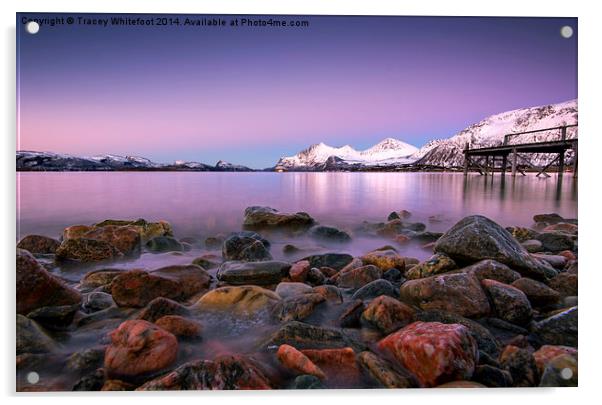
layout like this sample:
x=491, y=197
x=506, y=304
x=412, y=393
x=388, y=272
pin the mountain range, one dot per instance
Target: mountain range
x=49, y=161
x=389, y=154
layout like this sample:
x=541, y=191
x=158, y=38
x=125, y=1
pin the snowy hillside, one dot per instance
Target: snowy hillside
x=491, y=131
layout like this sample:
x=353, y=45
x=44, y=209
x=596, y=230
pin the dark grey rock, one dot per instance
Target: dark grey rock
x=257, y=273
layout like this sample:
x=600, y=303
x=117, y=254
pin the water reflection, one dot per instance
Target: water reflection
x=206, y=203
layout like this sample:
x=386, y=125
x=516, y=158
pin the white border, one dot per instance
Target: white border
x=590, y=108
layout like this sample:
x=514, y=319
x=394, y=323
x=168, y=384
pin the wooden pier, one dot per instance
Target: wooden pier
x=483, y=160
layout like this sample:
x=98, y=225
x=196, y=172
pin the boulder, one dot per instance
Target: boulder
x=296, y=308
x=532, y=245
x=307, y=382
x=38, y=244
x=562, y=371
x=297, y=362
x=329, y=234
x=287, y=289
x=509, y=303
x=403, y=214
x=384, y=372
x=86, y=250
x=99, y=278
x=31, y=338
x=160, y=307
x=147, y=230
x=226, y=372
x=36, y=287
x=458, y=293
x=330, y=292
x=559, y=329
x=436, y=264
x=298, y=271
x=333, y=260
x=539, y=294
x=490, y=269
x=522, y=234
x=546, y=353
x=97, y=301
x=137, y=288
x=556, y=261
x=266, y=217
x=387, y=314
x=548, y=218
x=356, y=278
x=562, y=227
x=434, y=352
x=237, y=299
x=208, y=261
x=305, y=336
x=179, y=326
x=521, y=365
x=352, y=312
x=54, y=317
x=384, y=259
x=86, y=360
x=126, y=239
x=256, y=273
x=375, y=289
x=160, y=244
x=476, y=238
x=486, y=341
x=337, y=364
x=139, y=348
x=565, y=283
x=556, y=241
x=246, y=246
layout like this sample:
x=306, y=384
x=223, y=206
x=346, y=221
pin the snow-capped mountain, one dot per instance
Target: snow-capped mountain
x=320, y=156
x=124, y=161
x=491, y=132
x=49, y=161
x=227, y=166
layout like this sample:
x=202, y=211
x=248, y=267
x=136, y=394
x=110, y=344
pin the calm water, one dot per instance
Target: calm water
x=204, y=204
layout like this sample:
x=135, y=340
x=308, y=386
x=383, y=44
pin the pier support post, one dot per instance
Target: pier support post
x=575, y=159
x=487, y=165
x=514, y=158
x=561, y=163
x=466, y=159
x=504, y=164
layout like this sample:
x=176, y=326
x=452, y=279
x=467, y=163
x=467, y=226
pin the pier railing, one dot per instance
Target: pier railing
x=563, y=133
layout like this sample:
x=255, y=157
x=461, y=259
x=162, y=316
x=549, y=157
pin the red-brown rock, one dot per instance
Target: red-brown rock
x=139, y=348
x=565, y=283
x=458, y=293
x=298, y=271
x=296, y=361
x=387, y=314
x=136, y=288
x=509, y=303
x=358, y=277
x=539, y=294
x=38, y=244
x=179, y=326
x=37, y=288
x=338, y=364
x=434, y=352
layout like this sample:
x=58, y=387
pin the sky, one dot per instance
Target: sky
x=250, y=95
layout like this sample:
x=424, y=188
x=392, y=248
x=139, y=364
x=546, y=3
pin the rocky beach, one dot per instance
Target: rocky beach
x=491, y=307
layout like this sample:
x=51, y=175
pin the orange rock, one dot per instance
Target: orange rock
x=179, y=326
x=547, y=353
x=434, y=352
x=568, y=254
x=138, y=348
x=337, y=364
x=388, y=314
x=297, y=361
